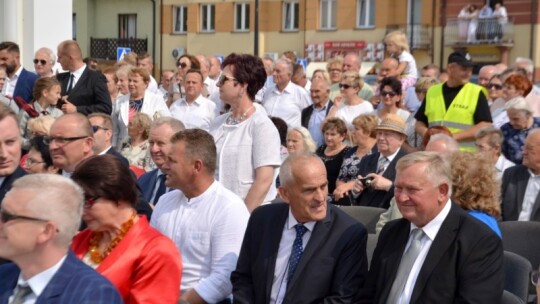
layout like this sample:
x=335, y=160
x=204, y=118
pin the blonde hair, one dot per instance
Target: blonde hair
x=367, y=123
x=338, y=60
x=41, y=124
x=425, y=83
x=399, y=39
x=353, y=78
x=475, y=186
x=143, y=121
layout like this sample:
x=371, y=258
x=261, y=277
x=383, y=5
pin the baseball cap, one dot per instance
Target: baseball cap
x=462, y=58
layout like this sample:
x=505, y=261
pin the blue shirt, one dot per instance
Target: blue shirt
x=514, y=140
x=486, y=219
x=314, y=125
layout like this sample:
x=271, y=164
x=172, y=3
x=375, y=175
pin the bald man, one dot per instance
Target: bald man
x=83, y=90
x=485, y=74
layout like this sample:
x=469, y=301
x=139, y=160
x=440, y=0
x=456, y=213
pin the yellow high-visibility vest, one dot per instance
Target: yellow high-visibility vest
x=460, y=114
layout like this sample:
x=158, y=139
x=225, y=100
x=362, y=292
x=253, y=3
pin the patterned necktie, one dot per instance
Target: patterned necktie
x=20, y=295
x=405, y=266
x=381, y=166
x=297, y=249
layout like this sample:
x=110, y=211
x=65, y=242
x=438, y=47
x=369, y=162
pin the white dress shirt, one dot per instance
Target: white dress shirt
x=533, y=186
x=38, y=282
x=9, y=86
x=153, y=86
x=199, y=114
x=502, y=164
x=279, y=284
x=430, y=232
x=76, y=75
x=288, y=104
x=208, y=230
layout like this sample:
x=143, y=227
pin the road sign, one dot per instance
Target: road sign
x=121, y=52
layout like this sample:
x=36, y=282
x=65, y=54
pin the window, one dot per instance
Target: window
x=290, y=16
x=365, y=13
x=241, y=17
x=328, y=14
x=208, y=13
x=180, y=19
x=127, y=26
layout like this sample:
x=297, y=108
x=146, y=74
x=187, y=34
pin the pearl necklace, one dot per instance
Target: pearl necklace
x=93, y=249
x=233, y=121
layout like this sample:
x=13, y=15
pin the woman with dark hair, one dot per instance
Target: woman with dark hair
x=184, y=63
x=143, y=264
x=247, y=141
x=390, y=91
x=333, y=150
x=38, y=159
x=281, y=126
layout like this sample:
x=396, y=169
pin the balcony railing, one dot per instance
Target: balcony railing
x=418, y=34
x=105, y=48
x=462, y=32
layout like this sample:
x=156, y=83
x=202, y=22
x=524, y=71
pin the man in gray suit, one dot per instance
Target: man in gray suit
x=521, y=183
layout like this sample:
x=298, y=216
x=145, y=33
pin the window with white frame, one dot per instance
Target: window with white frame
x=290, y=15
x=241, y=17
x=208, y=17
x=328, y=14
x=180, y=19
x=365, y=13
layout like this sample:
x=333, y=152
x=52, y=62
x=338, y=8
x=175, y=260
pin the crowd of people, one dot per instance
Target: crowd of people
x=224, y=181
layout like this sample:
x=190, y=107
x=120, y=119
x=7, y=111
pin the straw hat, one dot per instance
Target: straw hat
x=392, y=122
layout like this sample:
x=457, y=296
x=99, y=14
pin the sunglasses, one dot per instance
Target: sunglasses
x=345, y=86
x=494, y=86
x=97, y=128
x=223, y=78
x=89, y=201
x=388, y=93
x=6, y=217
x=183, y=65
x=42, y=61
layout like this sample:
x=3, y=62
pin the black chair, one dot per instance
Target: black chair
x=510, y=298
x=370, y=246
x=517, y=271
x=368, y=216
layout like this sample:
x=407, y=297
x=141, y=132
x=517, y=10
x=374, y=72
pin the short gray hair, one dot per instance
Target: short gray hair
x=49, y=53
x=285, y=171
x=437, y=167
x=451, y=144
x=175, y=124
x=285, y=63
x=63, y=204
x=495, y=136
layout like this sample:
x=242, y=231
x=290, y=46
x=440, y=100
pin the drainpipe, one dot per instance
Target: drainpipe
x=433, y=11
x=153, y=30
x=160, y=38
x=443, y=25
x=534, y=7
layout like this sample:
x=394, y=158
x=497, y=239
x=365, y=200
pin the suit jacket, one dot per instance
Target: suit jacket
x=89, y=94
x=145, y=266
x=332, y=268
x=112, y=151
x=25, y=85
x=147, y=184
x=377, y=198
x=74, y=282
x=308, y=111
x=463, y=265
x=514, y=184
x=9, y=180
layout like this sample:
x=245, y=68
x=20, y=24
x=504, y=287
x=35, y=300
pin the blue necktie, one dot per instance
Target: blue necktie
x=161, y=188
x=296, y=252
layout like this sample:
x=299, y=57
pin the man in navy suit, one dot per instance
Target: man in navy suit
x=35, y=235
x=305, y=251
x=437, y=253
x=102, y=126
x=83, y=90
x=19, y=82
x=152, y=183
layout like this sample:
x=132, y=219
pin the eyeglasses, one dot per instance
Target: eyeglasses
x=30, y=162
x=334, y=70
x=6, y=217
x=89, y=201
x=61, y=141
x=495, y=86
x=97, y=128
x=345, y=86
x=388, y=93
x=183, y=65
x=42, y=61
x=223, y=78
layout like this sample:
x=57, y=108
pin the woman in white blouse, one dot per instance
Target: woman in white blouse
x=139, y=100
x=247, y=141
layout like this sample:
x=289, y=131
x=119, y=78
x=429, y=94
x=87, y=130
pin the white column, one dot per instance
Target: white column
x=10, y=22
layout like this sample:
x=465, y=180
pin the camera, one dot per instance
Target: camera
x=366, y=181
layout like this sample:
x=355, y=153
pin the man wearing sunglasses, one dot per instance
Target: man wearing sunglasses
x=36, y=237
x=19, y=82
x=457, y=104
x=102, y=127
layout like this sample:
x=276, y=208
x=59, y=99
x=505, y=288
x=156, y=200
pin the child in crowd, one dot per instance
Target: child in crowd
x=46, y=94
x=398, y=47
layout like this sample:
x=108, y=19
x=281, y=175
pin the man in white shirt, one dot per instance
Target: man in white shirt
x=489, y=142
x=194, y=110
x=166, y=78
x=204, y=219
x=285, y=100
x=209, y=83
x=521, y=184
x=436, y=253
x=145, y=61
x=39, y=217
